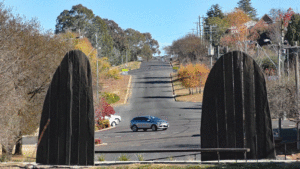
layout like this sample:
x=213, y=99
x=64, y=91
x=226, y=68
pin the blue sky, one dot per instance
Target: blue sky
x=166, y=20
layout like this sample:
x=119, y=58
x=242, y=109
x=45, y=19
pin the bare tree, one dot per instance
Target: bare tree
x=28, y=58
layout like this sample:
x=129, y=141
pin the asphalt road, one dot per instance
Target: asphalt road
x=152, y=95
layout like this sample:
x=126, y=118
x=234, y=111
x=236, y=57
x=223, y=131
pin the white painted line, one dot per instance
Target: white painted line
x=118, y=136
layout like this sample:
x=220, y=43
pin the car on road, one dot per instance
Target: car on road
x=113, y=119
x=148, y=122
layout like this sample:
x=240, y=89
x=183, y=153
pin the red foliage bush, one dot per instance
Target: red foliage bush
x=103, y=109
x=98, y=141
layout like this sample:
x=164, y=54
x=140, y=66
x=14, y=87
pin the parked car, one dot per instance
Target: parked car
x=113, y=119
x=148, y=122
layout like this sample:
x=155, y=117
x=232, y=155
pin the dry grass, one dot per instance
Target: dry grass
x=118, y=87
x=130, y=66
x=182, y=93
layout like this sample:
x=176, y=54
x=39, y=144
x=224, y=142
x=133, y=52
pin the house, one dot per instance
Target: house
x=266, y=20
x=248, y=25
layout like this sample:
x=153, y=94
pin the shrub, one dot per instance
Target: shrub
x=175, y=68
x=98, y=141
x=111, y=98
x=101, y=157
x=103, y=109
x=124, y=157
x=191, y=75
x=101, y=124
x=140, y=157
x=113, y=73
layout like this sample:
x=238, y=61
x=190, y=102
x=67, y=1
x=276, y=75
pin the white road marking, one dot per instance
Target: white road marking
x=117, y=136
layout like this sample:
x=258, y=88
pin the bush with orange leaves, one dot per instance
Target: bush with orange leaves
x=193, y=76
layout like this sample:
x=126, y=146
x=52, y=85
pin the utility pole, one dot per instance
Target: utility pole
x=200, y=28
x=126, y=59
x=297, y=93
x=211, y=48
x=288, y=64
x=203, y=32
x=278, y=71
x=97, y=69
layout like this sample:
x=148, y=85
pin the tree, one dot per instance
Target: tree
x=104, y=40
x=215, y=18
x=278, y=29
x=146, y=52
x=136, y=41
x=245, y=5
x=236, y=20
x=189, y=49
x=221, y=26
x=76, y=19
x=293, y=30
x=28, y=58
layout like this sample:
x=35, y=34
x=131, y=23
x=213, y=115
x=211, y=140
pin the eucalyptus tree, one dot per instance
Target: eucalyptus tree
x=246, y=6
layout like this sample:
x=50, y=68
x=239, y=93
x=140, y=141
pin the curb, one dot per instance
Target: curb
x=128, y=90
x=174, y=95
x=105, y=129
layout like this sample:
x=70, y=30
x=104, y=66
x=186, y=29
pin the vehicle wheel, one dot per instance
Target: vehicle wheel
x=154, y=128
x=134, y=128
x=165, y=129
x=118, y=121
x=113, y=124
x=145, y=129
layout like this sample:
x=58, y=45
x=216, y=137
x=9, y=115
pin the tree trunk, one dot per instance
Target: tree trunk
x=18, y=150
x=7, y=152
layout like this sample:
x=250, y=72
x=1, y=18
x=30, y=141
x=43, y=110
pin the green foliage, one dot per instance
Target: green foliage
x=140, y=157
x=3, y=158
x=101, y=157
x=124, y=157
x=175, y=68
x=267, y=64
x=245, y=5
x=76, y=19
x=146, y=52
x=214, y=11
x=113, y=73
x=293, y=30
x=111, y=97
x=221, y=27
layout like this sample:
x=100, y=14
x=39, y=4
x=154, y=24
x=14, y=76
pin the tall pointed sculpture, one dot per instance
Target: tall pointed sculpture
x=69, y=137
x=235, y=111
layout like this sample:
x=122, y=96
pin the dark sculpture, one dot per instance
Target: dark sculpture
x=235, y=111
x=69, y=137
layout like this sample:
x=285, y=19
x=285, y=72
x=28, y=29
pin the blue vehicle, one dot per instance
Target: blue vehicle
x=148, y=122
